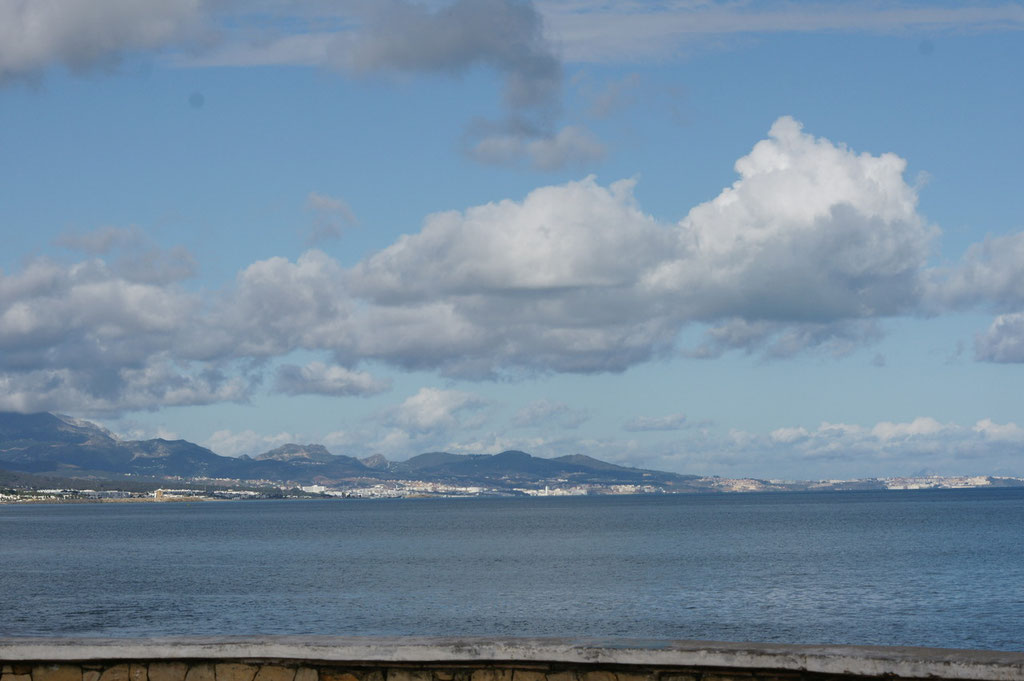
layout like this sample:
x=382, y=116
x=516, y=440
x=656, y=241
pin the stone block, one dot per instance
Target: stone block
x=373, y=675
x=525, y=675
x=119, y=672
x=730, y=676
x=274, y=672
x=410, y=675
x=234, y=671
x=57, y=672
x=561, y=676
x=200, y=672
x=91, y=675
x=597, y=675
x=444, y=675
x=137, y=672
x=335, y=674
x=6, y=669
x=167, y=671
x=306, y=674
x=15, y=677
x=492, y=675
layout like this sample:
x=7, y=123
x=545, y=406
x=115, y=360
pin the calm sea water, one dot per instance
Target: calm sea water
x=934, y=568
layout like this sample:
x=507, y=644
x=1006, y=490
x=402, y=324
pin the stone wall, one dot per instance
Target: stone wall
x=363, y=659
x=254, y=670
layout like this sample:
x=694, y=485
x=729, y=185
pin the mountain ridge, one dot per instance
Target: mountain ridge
x=292, y=452
x=50, y=446
x=45, y=443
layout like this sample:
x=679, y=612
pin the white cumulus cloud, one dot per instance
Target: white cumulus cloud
x=317, y=378
x=788, y=435
x=922, y=425
x=812, y=231
x=1007, y=432
x=810, y=248
x=432, y=409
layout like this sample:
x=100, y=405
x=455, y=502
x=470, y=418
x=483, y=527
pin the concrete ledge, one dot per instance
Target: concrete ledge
x=641, y=656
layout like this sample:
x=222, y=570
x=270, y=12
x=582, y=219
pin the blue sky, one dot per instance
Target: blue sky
x=744, y=239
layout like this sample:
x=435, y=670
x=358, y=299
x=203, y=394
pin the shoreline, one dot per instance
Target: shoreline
x=419, y=497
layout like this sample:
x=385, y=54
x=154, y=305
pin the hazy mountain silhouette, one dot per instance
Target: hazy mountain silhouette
x=47, y=443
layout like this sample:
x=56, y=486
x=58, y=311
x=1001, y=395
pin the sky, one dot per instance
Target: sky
x=747, y=239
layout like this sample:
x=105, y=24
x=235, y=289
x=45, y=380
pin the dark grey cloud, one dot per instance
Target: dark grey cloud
x=783, y=339
x=1003, y=341
x=84, y=35
x=113, y=390
x=989, y=277
x=89, y=339
x=572, y=145
x=131, y=254
x=990, y=274
x=506, y=35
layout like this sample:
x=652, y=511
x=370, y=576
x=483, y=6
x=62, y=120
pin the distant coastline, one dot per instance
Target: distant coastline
x=87, y=496
x=50, y=457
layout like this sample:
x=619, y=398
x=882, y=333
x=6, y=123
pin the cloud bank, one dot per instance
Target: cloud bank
x=810, y=249
x=630, y=31
x=922, y=446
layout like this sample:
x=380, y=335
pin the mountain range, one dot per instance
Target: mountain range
x=52, y=444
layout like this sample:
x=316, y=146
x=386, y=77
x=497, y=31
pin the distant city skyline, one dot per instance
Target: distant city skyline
x=746, y=240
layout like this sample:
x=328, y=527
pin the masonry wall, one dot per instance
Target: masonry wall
x=256, y=670
x=396, y=659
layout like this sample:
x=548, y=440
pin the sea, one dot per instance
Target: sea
x=938, y=568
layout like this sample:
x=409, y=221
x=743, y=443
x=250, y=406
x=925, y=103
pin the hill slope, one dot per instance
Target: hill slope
x=58, y=445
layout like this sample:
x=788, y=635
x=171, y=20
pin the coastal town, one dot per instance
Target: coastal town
x=221, y=489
